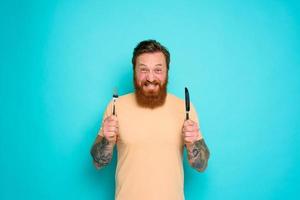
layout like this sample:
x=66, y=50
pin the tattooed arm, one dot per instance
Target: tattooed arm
x=103, y=147
x=198, y=155
x=102, y=152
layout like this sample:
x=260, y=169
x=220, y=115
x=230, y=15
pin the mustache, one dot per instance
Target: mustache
x=154, y=82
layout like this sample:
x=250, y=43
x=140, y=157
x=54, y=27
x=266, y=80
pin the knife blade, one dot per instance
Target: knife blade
x=187, y=103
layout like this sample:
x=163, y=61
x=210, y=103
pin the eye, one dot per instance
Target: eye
x=143, y=70
x=158, y=70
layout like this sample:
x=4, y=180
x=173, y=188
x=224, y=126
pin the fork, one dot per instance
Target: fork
x=115, y=97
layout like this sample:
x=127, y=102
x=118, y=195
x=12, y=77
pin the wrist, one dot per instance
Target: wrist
x=191, y=144
x=100, y=132
x=112, y=141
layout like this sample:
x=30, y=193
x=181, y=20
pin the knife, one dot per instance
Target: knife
x=187, y=103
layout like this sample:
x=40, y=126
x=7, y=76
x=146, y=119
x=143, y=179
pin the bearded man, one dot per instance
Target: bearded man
x=150, y=132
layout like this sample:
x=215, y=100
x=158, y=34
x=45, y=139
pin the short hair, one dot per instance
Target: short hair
x=150, y=46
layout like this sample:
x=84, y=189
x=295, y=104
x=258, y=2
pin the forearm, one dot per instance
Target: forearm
x=102, y=152
x=198, y=155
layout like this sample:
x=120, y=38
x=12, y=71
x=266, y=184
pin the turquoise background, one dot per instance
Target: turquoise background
x=60, y=61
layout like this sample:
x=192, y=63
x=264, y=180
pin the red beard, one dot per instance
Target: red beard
x=151, y=99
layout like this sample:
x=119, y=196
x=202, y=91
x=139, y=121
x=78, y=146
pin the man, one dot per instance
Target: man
x=150, y=132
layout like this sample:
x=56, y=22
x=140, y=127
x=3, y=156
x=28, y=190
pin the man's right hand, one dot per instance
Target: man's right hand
x=110, y=129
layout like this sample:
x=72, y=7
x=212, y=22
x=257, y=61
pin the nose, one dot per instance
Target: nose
x=150, y=77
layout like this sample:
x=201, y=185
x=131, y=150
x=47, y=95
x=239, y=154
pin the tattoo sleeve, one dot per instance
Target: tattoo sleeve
x=102, y=153
x=198, y=155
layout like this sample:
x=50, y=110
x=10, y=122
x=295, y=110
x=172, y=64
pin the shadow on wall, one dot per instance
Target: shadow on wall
x=192, y=178
x=103, y=180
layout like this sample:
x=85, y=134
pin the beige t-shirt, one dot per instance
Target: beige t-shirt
x=150, y=149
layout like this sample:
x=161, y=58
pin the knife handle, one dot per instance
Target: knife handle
x=187, y=117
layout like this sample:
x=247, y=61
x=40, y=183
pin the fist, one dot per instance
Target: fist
x=190, y=132
x=110, y=129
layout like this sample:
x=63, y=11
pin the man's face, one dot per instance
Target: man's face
x=151, y=76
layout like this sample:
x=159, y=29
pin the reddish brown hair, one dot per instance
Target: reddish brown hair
x=150, y=46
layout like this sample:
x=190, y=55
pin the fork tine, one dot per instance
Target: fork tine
x=115, y=95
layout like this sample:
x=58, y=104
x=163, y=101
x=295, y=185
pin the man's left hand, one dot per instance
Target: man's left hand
x=190, y=132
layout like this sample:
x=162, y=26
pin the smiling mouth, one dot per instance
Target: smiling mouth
x=154, y=83
x=151, y=88
x=150, y=84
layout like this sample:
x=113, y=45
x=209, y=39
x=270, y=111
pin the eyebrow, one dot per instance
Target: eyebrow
x=141, y=64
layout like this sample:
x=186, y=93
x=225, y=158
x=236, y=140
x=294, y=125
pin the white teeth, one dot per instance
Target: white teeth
x=150, y=85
